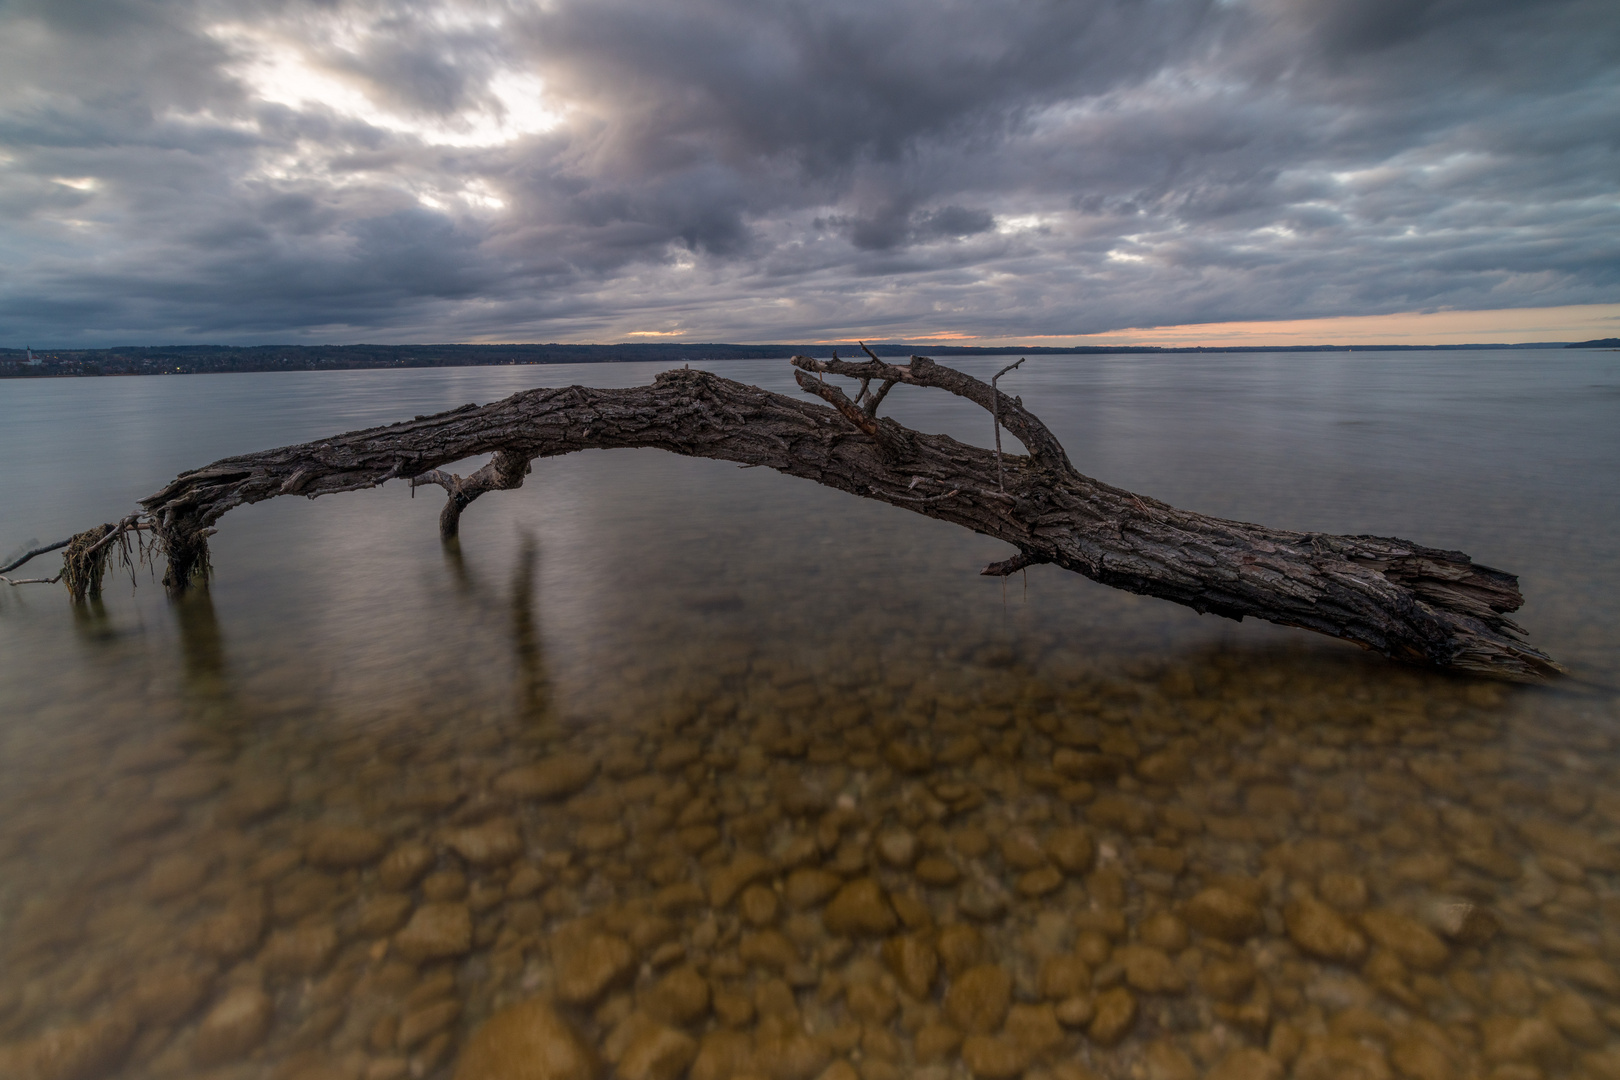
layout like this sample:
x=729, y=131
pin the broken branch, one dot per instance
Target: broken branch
x=1407, y=601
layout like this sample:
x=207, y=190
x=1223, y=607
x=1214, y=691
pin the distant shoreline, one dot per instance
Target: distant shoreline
x=206, y=359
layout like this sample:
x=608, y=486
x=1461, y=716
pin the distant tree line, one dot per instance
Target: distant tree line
x=196, y=359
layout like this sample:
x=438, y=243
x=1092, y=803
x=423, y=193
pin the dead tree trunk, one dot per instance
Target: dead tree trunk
x=1412, y=603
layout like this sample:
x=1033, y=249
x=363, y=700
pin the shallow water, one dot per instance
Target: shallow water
x=326, y=817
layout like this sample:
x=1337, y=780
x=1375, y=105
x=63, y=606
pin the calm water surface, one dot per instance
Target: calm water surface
x=740, y=776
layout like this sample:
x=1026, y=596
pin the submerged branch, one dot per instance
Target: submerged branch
x=25, y=556
x=1410, y=602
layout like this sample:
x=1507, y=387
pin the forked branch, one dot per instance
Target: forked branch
x=1410, y=602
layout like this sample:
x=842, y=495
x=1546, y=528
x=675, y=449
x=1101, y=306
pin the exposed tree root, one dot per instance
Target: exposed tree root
x=1410, y=602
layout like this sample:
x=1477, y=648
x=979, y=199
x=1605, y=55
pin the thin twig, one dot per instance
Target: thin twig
x=995, y=419
x=9, y=567
x=31, y=580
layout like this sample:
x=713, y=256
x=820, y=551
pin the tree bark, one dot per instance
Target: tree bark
x=1412, y=603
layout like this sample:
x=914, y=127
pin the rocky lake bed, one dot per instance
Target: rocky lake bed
x=1179, y=871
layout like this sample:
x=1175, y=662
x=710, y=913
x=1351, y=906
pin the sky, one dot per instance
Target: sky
x=1041, y=171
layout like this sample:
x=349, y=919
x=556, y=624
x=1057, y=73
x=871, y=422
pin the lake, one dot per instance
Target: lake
x=735, y=775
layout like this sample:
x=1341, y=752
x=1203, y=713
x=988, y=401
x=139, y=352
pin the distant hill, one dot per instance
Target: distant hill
x=1600, y=343
x=196, y=359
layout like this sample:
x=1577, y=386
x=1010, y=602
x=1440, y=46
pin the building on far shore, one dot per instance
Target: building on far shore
x=33, y=361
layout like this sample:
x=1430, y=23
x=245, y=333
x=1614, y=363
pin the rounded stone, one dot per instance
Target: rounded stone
x=75, y=1052
x=1075, y=1011
x=302, y=950
x=680, y=997
x=1579, y=847
x=937, y=871
x=659, y=1053
x=770, y=949
x=1320, y=931
x=1573, y=1015
x=914, y=961
x=404, y=866
x=759, y=905
x=1021, y=850
x=1163, y=767
x=236, y=1024
x=677, y=755
x=1063, y=977
x=808, y=886
x=1149, y=970
x=897, y=847
x=1518, y=1038
x=382, y=914
x=419, y=1025
x=1113, y=1013
x=234, y=930
x=175, y=875
x=993, y=1058
x=436, y=932
x=169, y=993
x=598, y=837
x=527, y=1041
x=555, y=777
x=1415, y=1058
x=870, y=1003
x=1222, y=914
x=859, y=908
x=960, y=947
x=977, y=999
x=1227, y=980
x=1072, y=849
x=1163, y=930
x=722, y=1055
x=590, y=967
x=1340, y=1055
x=936, y=1041
x=1347, y=892
x=1041, y=882
x=1247, y=1063
x=494, y=843
x=443, y=885
x=1034, y=1029
x=1166, y=1061
x=1408, y=939
x=731, y=879
x=340, y=847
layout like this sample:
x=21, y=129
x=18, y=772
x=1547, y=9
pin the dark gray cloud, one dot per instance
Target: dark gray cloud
x=252, y=170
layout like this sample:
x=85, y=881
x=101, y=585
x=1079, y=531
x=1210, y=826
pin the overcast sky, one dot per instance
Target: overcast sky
x=246, y=171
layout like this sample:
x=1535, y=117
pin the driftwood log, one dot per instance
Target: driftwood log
x=1412, y=603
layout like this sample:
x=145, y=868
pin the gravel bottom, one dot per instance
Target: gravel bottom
x=734, y=865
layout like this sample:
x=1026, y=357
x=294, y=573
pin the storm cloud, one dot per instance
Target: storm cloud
x=779, y=170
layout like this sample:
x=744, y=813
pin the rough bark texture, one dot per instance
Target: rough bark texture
x=1404, y=600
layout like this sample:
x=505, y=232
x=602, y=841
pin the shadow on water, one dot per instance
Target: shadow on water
x=202, y=645
x=534, y=684
x=456, y=562
x=91, y=621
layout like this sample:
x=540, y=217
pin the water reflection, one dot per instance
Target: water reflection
x=91, y=621
x=533, y=685
x=202, y=645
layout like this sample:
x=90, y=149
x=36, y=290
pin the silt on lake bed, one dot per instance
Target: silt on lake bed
x=737, y=776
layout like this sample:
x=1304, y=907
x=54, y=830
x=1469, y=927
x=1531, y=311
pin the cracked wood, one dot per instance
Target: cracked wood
x=1407, y=601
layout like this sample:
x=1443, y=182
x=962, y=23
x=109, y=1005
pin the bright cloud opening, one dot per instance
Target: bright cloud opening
x=288, y=71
